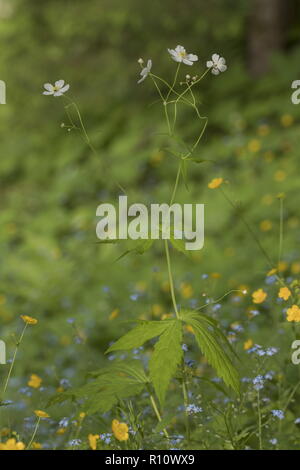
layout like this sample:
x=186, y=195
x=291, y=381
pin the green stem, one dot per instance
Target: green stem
x=259, y=421
x=12, y=363
x=171, y=278
x=34, y=433
x=156, y=411
x=280, y=231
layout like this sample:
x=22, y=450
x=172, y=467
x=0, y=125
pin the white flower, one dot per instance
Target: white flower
x=56, y=90
x=217, y=64
x=179, y=54
x=146, y=70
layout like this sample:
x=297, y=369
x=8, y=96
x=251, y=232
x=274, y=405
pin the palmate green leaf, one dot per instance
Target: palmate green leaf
x=165, y=358
x=130, y=368
x=210, y=342
x=139, y=335
x=101, y=394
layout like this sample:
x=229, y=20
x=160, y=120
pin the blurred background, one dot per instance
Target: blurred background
x=51, y=183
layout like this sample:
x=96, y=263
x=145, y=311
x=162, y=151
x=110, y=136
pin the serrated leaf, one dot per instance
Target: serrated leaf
x=165, y=358
x=133, y=369
x=139, y=335
x=208, y=339
x=101, y=394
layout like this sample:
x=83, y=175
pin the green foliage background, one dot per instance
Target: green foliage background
x=51, y=184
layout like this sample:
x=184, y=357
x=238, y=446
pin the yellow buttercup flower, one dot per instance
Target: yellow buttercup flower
x=259, y=296
x=254, y=145
x=293, y=313
x=29, y=320
x=215, y=183
x=12, y=444
x=286, y=120
x=93, y=441
x=265, y=225
x=34, y=381
x=36, y=446
x=284, y=293
x=61, y=431
x=186, y=290
x=120, y=430
x=41, y=414
x=114, y=314
x=248, y=344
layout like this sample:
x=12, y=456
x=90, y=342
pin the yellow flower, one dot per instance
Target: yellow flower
x=215, y=183
x=157, y=310
x=295, y=268
x=259, y=296
x=272, y=272
x=186, y=290
x=41, y=414
x=61, y=431
x=248, y=344
x=293, y=313
x=93, y=441
x=34, y=381
x=114, y=314
x=36, y=446
x=279, y=175
x=12, y=444
x=190, y=329
x=254, y=145
x=284, y=293
x=29, y=320
x=282, y=266
x=265, y=225
x=286, y=120
x=120, y=430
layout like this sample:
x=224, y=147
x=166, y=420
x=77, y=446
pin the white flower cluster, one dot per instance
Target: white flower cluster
x=216, y=64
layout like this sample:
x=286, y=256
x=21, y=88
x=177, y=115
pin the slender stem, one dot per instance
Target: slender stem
x=280, y=231
x=12, y=363
x=34, y=432
x=171, y=278
x=259, y=421
x=186, y=402
x=176, y=184
x=154, y=406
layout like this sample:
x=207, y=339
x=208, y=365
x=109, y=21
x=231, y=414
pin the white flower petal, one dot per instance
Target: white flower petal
x=57, y=93
x=192, y=57
x=59, y=83
x=215, y=71
x=64, y=89
x=215, y=57
x=142, y=79
x=222, y=67
x=149, y=65
x=209, y=64
x=221, y=60
x=187, y=62
x=48, y=92
x=179, y=49
x=48, y=86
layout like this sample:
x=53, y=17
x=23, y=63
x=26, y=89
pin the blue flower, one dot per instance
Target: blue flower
x=258, y=382
x=75, y=442
x=278, y=414
x=193, y=409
